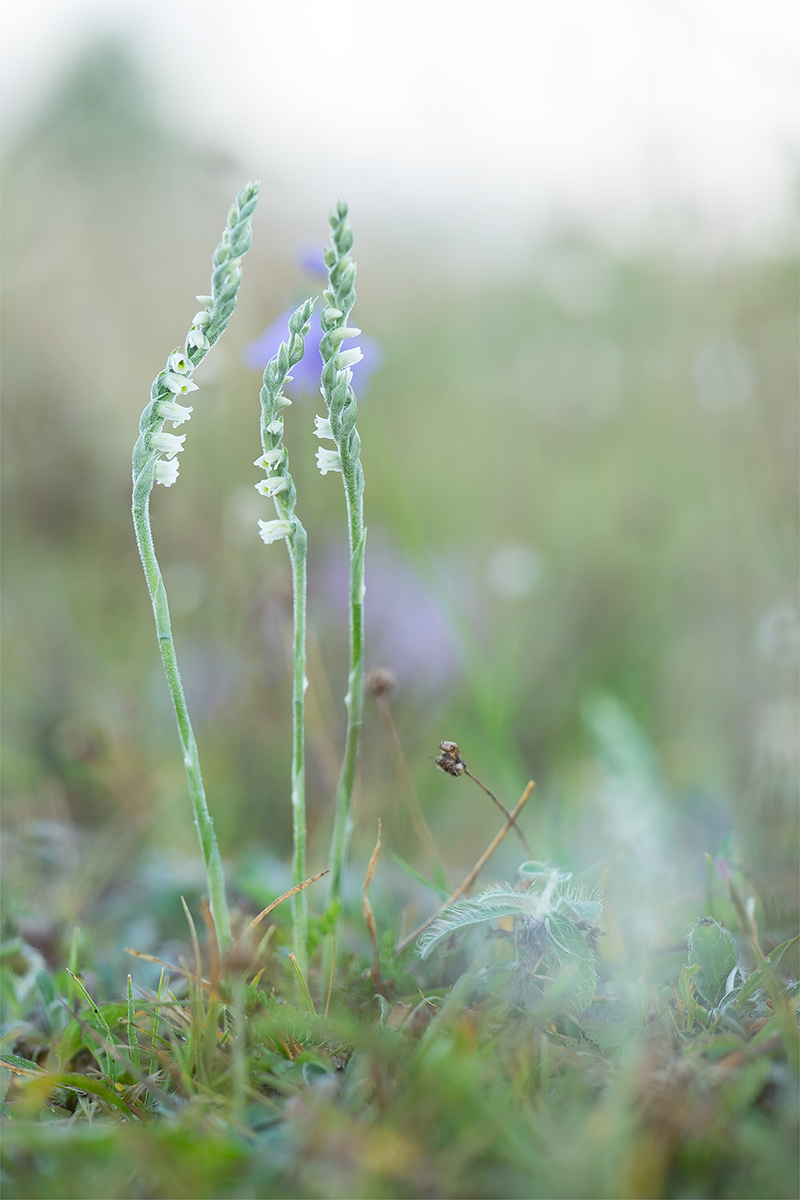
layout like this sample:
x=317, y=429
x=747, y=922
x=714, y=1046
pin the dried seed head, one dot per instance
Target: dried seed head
x=450, y=759
x=380, y=682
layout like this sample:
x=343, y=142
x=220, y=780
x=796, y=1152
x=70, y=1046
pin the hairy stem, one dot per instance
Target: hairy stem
x=280, y=486
x=155, y=461
x=191, y=761
x=342, y=406
x=298, y=553
x=354, y=700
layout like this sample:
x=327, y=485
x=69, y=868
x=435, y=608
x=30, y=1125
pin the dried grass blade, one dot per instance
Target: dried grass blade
x=366, y=908
x=169, y=967
x=265, y=913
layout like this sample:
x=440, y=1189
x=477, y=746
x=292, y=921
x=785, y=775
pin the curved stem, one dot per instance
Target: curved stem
x=191, y=761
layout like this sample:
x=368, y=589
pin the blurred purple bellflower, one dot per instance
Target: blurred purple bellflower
x=306, y=375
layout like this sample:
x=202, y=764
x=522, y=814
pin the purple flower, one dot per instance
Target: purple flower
x=310, y=259
x=406, y=628
x=306, y=375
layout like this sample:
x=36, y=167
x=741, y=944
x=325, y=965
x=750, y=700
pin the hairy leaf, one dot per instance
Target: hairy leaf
x=488, y=906
x=575, y=958
x=714, y=950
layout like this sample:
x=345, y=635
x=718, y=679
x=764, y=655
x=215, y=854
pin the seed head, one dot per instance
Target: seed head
x=450, y=759
x=380, y=682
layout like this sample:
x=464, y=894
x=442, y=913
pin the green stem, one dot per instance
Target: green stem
x=272, y=403
x=354, y=700
x=202, y=818
x=298, y=544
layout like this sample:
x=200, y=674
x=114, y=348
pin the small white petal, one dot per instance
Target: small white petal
x=166, y=471
x=328, y=460
x=322, y=428
x=348, y=358
x=271, y=487
x=282, y=401
x=197, y=338
x=180, y=363
x=268, y=460
x=201, y=319
x=168, y=410
x=343, y=334
x=273, y=531
x=275, y=426
x=167, y=443
x=179, y=384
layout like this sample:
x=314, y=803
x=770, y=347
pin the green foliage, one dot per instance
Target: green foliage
x=553, y=923
x=764, y=971
x=575, y=961
x=664, y=606
x=713, y=949
x=490, y=905
x=610, y=1024
x=319, y=926
x=440, y=889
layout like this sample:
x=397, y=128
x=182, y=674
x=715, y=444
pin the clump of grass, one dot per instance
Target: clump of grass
x=218, y=1084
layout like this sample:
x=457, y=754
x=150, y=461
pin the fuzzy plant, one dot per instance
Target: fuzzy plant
x=279, y=486
x=554, y=932
x=155, y=461
x=339, y=426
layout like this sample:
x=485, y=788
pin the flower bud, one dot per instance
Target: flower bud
x=197, y=339
x=341, y=335
x=348, y=358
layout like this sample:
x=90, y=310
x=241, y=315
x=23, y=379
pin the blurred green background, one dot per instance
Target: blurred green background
x=582, y=554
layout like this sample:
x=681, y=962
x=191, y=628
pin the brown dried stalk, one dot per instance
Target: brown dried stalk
x=466, y=886
x=366, y=908
x=450, y=760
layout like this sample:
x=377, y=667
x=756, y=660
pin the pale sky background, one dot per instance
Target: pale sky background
x=635, y=116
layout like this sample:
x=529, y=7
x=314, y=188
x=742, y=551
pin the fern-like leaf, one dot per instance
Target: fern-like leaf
x=490, y=905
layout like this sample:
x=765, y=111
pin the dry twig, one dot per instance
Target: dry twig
x=466, y=886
